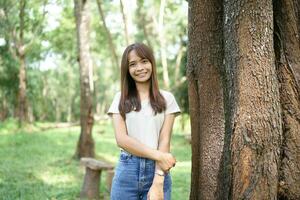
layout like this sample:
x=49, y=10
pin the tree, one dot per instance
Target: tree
x=109, y=37
x=85, y=146
x=205, y=97
x=255, y=57
x=287, y=54
x=141, y=22
x=126, y=22
x=22, y=102
x=22, y=23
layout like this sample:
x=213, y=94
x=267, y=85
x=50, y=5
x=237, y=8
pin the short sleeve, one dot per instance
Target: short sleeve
x=172, y=106
x=114, y=107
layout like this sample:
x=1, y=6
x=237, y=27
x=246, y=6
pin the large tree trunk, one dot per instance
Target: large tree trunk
x=255, y=114
x=85, y=146
x=261, y=153
x=287, y=49
x=205, y=59
x=22, y=110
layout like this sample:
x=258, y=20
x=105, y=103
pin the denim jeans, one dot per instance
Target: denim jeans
x=133, y=178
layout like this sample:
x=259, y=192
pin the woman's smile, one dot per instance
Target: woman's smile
x=142, y=74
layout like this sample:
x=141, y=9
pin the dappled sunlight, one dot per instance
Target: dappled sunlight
x=51, y=178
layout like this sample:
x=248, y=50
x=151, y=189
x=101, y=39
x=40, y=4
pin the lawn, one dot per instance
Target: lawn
x=38, y=165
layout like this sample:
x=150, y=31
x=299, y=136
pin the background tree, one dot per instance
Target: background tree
x=22, y=27
x=85, y=146
x=109, y=37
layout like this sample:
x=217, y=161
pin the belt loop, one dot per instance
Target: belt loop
x=128, y=154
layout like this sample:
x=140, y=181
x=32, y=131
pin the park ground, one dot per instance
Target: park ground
x=37, y=163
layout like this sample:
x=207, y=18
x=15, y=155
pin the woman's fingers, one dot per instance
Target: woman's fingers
x=167, y=161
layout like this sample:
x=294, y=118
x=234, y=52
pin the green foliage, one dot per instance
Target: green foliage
x=62, y=39
x=38, y=165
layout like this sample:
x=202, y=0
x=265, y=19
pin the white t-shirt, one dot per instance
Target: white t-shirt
x=144, y=125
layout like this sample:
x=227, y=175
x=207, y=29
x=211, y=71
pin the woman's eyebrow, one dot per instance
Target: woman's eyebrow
x=132, y=61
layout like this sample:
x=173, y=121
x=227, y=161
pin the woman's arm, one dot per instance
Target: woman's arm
x=165, y=135
x=133, y=146
x=156, y=190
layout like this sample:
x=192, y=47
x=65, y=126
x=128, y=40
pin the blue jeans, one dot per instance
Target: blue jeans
x=133, y=178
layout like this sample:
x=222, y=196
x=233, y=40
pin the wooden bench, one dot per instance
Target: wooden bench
x=92, y=178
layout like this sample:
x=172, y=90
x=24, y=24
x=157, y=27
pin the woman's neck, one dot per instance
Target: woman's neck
x=143, y=89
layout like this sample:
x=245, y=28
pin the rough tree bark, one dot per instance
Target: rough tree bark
x=287, y=49
x=205, y=57
x=261, y=152
x=85, y=146
x=255, y=113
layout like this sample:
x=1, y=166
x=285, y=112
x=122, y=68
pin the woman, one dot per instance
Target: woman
x=143, y=118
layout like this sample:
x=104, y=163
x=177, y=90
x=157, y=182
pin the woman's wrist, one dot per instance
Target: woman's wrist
x=159, y=172
x=157, y=155
x=158, y=180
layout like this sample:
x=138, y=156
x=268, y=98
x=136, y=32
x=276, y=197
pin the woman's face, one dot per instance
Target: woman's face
x=140, y=69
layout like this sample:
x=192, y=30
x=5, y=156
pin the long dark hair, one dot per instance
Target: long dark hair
x=130, y=99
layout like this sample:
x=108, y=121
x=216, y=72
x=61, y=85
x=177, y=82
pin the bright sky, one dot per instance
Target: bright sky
x=53, y=16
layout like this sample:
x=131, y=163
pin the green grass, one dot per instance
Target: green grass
x=38, y=165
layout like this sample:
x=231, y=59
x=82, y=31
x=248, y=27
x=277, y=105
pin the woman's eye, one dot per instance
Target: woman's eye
x=145, y=61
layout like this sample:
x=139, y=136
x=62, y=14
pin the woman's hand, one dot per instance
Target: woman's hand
x=166, y=161
x=156, y=192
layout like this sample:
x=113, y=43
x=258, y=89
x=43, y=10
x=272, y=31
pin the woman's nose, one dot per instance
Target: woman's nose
x=139, y=66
